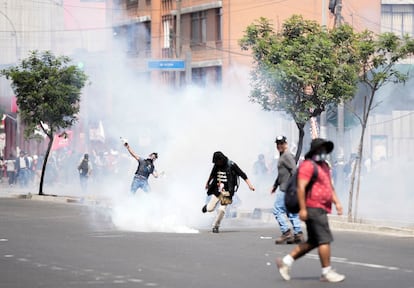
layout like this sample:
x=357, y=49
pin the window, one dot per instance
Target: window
x=198, y=27
x=397, y=19
x=131, y=3
x=168, y=32
x=137, y=37
x=205, y=76
x=199, y=76
x=219, y=74
x=219, y=24
x=166, y=4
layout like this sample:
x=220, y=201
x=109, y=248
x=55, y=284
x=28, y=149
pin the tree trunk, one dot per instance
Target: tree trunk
x=366, y=110
x=351, y=191
x=300, y=141
x=360, y=149
x=49, y=147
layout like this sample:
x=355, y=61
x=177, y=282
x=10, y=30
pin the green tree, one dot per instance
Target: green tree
x=378, y=56
x=301, y=69
x=48, y=92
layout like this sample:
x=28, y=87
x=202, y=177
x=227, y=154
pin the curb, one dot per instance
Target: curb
x=337, y=223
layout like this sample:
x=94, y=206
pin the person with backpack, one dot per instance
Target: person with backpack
x=221, y=186
x=85, y=170
x=286, y=167
x=144, y=170
x=314, y=206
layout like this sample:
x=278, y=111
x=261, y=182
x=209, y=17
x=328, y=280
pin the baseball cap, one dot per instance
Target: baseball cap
x=281, y=139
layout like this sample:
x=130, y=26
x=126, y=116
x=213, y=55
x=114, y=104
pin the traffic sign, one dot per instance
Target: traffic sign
x=166, y=65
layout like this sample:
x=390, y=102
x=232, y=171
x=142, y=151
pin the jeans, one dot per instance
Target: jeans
x=280, y=212
x=11, y=175
x=83, y=182
x=139, y=182
x=23, y=177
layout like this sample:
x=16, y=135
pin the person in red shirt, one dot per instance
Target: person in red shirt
x=314, y=207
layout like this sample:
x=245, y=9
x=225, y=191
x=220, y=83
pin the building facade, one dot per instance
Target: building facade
x=205, y=33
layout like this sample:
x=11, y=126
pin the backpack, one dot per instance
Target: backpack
x=291, y=197
x=235, y=177
x=83, y=167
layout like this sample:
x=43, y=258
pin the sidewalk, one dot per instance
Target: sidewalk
x=258, y=214
x=341, y=223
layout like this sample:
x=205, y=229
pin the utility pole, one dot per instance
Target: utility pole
x=338, y=13
x=340, y=156
x=323, y=123
x=229, y=38
x=188, y=71
x=341, y=112
x=178, y=42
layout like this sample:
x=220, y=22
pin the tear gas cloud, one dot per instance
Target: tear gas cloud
x=185, y=127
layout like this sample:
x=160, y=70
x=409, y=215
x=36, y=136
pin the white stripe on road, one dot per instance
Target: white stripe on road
x=369, y=265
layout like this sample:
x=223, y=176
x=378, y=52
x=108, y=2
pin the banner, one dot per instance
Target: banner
x=97, y=133
x=62, y=140
x=13, y=105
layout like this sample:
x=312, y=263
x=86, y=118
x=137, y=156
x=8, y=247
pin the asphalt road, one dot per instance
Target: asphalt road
x=54, y=245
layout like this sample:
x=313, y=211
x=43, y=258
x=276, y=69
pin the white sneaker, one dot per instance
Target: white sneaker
x=332, y=276
x=283, y=269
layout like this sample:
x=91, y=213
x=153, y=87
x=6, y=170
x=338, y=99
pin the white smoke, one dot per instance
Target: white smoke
x=185, y=127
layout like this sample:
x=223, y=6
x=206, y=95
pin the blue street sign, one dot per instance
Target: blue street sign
x=166, y=65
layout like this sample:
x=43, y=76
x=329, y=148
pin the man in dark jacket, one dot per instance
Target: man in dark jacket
x=221, y=186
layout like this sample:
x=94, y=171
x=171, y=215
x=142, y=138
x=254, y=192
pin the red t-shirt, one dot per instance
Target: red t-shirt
x=320, y=196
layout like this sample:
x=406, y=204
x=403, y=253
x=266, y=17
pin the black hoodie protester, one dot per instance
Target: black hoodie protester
x=232, y=170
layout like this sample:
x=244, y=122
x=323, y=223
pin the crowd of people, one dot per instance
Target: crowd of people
x=25, y=169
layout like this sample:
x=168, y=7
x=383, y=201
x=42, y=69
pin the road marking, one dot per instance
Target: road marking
x=346, y=261
x=4, y=240
x=8, y=256
x=134, y=280
x=266, y=237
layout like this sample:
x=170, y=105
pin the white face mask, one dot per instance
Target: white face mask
x=320, y=157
